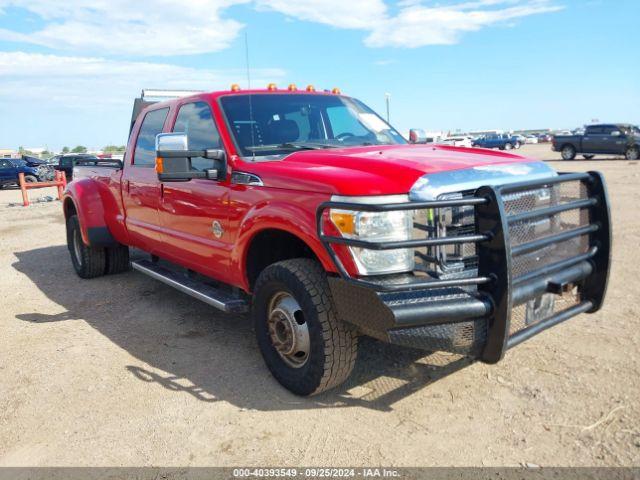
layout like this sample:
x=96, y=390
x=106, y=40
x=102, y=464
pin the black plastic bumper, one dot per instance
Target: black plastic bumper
x=485, y=314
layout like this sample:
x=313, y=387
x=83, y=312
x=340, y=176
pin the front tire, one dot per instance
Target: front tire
x=632, y=153
x=568, y=152
x=508, y=146
x=30, y=179
x=305, y=346
x=88, y=262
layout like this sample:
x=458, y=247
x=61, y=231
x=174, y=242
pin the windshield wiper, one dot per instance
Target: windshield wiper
x=293, y=146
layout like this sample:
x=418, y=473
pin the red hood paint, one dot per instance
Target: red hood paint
x=374, y=170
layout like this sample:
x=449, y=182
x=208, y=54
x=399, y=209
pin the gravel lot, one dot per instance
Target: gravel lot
x=123, y=370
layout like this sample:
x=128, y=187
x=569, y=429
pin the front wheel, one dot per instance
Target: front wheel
x=632, y=153
x=508, y=146
x=568, y=152
x=305, y=346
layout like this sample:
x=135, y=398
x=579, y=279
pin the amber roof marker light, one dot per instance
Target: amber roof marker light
x=272, y=87
x=235, y=87
x=310, y=88
x=336, y=90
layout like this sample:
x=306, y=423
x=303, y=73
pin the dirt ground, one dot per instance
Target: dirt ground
x=123, y=370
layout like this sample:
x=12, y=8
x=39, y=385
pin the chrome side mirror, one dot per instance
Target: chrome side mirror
x=173, y=159
x=166, y=142
x=417, y=135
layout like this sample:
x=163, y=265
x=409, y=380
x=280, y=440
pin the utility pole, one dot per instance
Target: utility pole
x=387, y=97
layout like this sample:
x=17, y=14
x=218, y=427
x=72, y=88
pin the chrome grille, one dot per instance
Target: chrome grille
x=447, y=261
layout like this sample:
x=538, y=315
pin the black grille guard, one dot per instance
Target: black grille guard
x=494, y=279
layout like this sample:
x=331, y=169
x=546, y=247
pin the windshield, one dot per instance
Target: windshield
x=268, y=124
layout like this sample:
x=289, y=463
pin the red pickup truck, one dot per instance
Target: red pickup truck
x=311, y=212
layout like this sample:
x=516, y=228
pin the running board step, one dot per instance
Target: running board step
x=208, y=294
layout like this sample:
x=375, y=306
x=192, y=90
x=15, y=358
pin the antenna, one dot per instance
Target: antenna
x=246, y=55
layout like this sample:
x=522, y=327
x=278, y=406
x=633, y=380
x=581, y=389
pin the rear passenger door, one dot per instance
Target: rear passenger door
x=140, y=184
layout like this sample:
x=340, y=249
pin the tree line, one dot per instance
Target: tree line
x=76, y=149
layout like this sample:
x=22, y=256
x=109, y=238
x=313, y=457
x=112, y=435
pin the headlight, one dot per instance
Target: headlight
x=377, y=227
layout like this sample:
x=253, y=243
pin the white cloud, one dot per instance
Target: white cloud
x=176, y=27
x=140, y=27
x=418, y=26
x=414, y=25
x=87, y=82
x=352, y=14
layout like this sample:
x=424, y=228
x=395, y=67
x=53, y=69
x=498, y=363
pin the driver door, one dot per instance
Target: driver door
x=194, y=214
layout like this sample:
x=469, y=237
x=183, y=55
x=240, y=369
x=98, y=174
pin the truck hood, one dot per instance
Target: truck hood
x=374, y=170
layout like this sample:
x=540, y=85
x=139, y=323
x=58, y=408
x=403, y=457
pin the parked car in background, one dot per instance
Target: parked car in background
x=608, y=139
x=459, y=141
x=544, y=138
x=520, y=140
x=530, y=139
x=11, y=167
x=65, y=163
x=501, y=141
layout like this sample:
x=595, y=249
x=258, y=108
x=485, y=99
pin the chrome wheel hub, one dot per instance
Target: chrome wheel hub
x=288, y=330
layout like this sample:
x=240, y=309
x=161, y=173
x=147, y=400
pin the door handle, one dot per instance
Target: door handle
x=126, y=185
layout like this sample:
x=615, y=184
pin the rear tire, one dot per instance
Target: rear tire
x=508, y=146
x=117, y=259
x=30, y=179
x=632, y=153
x=588, y=157
x=568, y=152
x=88, y=262
x=306, y=348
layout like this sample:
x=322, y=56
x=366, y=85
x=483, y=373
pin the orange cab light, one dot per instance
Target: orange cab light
x=159, y=165
x=272, y=87
x=311, y=88
x=292, y=87
x=336, y=90
x=235, y=87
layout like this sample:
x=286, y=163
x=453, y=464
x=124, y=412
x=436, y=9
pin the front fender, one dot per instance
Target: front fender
x=295, y=219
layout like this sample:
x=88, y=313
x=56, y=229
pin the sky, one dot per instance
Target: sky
x=69, y=71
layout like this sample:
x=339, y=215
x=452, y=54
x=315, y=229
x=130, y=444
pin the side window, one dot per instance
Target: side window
x=196, y=120
x=593, y=131
x=5, y=164
x=145, y=152
x=66, y=162
x=608, y=129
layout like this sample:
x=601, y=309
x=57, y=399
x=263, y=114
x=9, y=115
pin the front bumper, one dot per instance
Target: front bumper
x=523, y=283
